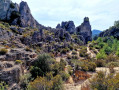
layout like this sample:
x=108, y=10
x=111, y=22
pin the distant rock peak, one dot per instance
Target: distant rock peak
x=86, y=19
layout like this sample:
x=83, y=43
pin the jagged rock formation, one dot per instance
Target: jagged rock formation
x=4, y=7
x=17, y=14
x=26, y=19
x=68, y=26
x=85, y=30
x=63, y=34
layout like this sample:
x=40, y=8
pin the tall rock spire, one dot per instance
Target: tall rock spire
x=85, y=30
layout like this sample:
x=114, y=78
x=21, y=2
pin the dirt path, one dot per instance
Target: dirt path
x=91, y=53
x=77, y=86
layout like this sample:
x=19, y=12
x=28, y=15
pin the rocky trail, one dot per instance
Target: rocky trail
x=90, y=52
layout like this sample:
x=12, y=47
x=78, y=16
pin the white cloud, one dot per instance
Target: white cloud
x=102, y=13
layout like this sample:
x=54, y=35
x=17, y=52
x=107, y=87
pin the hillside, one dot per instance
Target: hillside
x=36, y=57
x=95, y=32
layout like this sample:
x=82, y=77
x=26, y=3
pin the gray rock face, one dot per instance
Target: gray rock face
x=10, y=73
x=26, y=19
x=19, y=54
x=11, y=11
x=17, y=14
x=4, y=6
x=62, y=34
x=85, y=30
x=37, y=37
x=5, y=35
x=68, y=26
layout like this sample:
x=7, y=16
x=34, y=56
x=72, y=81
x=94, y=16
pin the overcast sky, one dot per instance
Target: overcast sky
x=102, y=13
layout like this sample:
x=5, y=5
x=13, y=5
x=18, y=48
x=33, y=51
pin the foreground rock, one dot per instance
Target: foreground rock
x=10, y=73
x=18, y=54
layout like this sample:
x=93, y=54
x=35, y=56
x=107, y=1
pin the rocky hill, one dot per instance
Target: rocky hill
x=112, y=31
x=22, y=39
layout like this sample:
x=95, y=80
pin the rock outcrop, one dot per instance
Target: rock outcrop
x=68, y=26
x=5, y=35
x=10, y=73
x=17, y=14
x=110, y=32
x=18, y=54
x=62, y=34
x=4, y=7
x=26, y=18
x=85, y=30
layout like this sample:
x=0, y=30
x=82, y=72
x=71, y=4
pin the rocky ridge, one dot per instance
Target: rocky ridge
x=17, y=14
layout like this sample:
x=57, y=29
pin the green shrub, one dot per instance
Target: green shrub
x=42, y=65
x=74, y=57
x=74, y=52
x=18, y=62
x=83, y=52
x=3, y=51
x=100, y=63
x=64, y=75
x=84, y=67
x=101, y=55
x=113, y=64
x=3, y=86
x=91, y=66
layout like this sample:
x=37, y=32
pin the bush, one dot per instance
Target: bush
x=64, y=75
x=64, y=51
x=3, y=51
x=112, y=58
x=18, y=62
x=104, y=82
x=100, y=63
x=91, y=66
x=101, y=55
x=107, y=50
x=112, y=64
x=3, y=86
x=42, y=65
x=83, y=52
x=74, y=52
x=84, y=67
x=74, y=57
